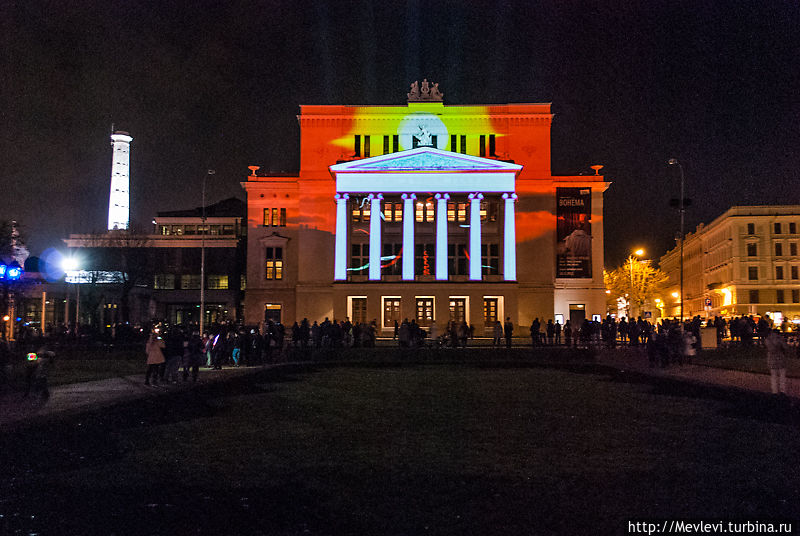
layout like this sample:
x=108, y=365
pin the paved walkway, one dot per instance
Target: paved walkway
x=81, y=396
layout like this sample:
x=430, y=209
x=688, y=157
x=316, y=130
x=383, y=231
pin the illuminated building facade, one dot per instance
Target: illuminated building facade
x=425, y=211
x=744, y=262
x=119, y=195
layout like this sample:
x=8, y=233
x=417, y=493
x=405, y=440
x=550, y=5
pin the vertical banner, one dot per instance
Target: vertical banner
x=574, y=232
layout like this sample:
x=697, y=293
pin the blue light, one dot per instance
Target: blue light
x=14, y=273
x=3, y=269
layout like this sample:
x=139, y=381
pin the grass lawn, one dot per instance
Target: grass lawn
x=74, y=366
x=415, y=449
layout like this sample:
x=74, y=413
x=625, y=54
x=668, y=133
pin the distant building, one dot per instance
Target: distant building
x=428, y=212
x=744, y=262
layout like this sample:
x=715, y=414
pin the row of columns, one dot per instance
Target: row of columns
x=475, y=268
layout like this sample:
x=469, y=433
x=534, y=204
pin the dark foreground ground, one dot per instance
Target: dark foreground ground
x=409, y=449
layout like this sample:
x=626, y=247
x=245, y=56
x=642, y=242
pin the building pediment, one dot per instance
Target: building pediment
x=425, y=159
x=425, y=169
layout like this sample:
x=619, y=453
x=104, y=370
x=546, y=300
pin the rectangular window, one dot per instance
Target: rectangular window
x=435, y=141
x=392, y=262
x=190, y=282
x=424, y=259
x=359, y=259
x=793, y=271
x=164, y=282
x=357, y=145
x=366, y=146
x=458, y=310
x=779, y=296
x=779, y=272
x=165, y=229
x=359, y=211
x=243, y=282
x=395, y=143
x=457, y=212
x=273, y=217
x=424, y=212
x=463, y=145
x=792, y=227
x=778, y=249
x=218, y=282
x=490, y=311
x=753, y=296
x=274, y=263
x=795, y=295
x=392, y=211
x=793, y=249
x=359, y=310
x=752, y=273
x=492, y=145
x=190, y=229
x=424, y=311
x=490, y=259
x=752, y=250
x=751, y=228
x=391, y=312
x=488, y=211
x=228, y=229
x=386, y=145
x=457, y=259
x=482, y=146
x=777, y=227
x=453, y=141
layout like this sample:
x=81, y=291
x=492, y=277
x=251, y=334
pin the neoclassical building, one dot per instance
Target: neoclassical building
x=425, y=211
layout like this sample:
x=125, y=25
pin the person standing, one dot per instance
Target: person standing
x=155, y=357
x=497, y=332
x=193, y=357
x=777, y=353
x=508, y=330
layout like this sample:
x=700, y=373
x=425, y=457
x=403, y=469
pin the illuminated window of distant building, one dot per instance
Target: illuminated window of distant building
x=274, y=263
x=753, y=296
x=779, y=272
x=424, y=259
x=425, y=310
x=392, y=263
x=457, y=212
x=190, y=282
x=751, y=228
x=778, y=249
x=793, y=249
x=274, y=217
x=752, y=250
x=490, y=311
x=424, y=211
x=458, y=309
x=795, y=295
x=391, y=312
x=392, y=211
x=457, y=259
x=359, y=211
x=218, y=282
x=779, y=296
x=490, y=259
x=164, y=281
x=165, y=229
x=190, y=229
x=359, y=258
x=228, y=229
x=177, y=230
x=777, y=227
x=213, y=230
x=752, y=273
x=243, y=282
x=793, y=272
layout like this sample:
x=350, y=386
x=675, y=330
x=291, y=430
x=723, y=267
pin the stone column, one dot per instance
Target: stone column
x=475, y=236
x=408, y=236
x=509, y=239
x=340, y=253
x=441, y=236
x=375, y=236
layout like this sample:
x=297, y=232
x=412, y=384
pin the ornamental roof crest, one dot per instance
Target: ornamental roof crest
x=425, y=92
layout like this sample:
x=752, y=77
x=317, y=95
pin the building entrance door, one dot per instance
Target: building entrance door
x=577, y=314
x=272, y=311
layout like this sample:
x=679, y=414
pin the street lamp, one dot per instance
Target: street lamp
x=682, y=210
x=639, y=252
x=203, y=256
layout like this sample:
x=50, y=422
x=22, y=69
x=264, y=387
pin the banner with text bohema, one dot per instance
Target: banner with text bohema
x=574, y=232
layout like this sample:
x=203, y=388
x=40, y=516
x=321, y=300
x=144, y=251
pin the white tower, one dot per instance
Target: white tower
x=119, y=199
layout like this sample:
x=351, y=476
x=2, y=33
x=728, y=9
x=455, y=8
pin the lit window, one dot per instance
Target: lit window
x=190, y=282
x=424, y=311
x=218, y=282
x=274, y=263
x=164, y=281
x=273, y=217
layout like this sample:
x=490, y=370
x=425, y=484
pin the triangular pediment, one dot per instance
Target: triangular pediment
x=425, y=159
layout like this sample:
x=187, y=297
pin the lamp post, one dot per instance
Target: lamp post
x=639, y=252
x=71, y=264
x=682, y=210
x=203, y=256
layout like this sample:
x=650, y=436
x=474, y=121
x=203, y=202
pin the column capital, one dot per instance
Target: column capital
x=511, y=196
x=406, y=197
x=342, y=197
x=442, y=196
x=476, y=195
x=374, y=196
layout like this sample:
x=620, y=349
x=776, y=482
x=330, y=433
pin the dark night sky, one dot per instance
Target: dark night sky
x=217, y=85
